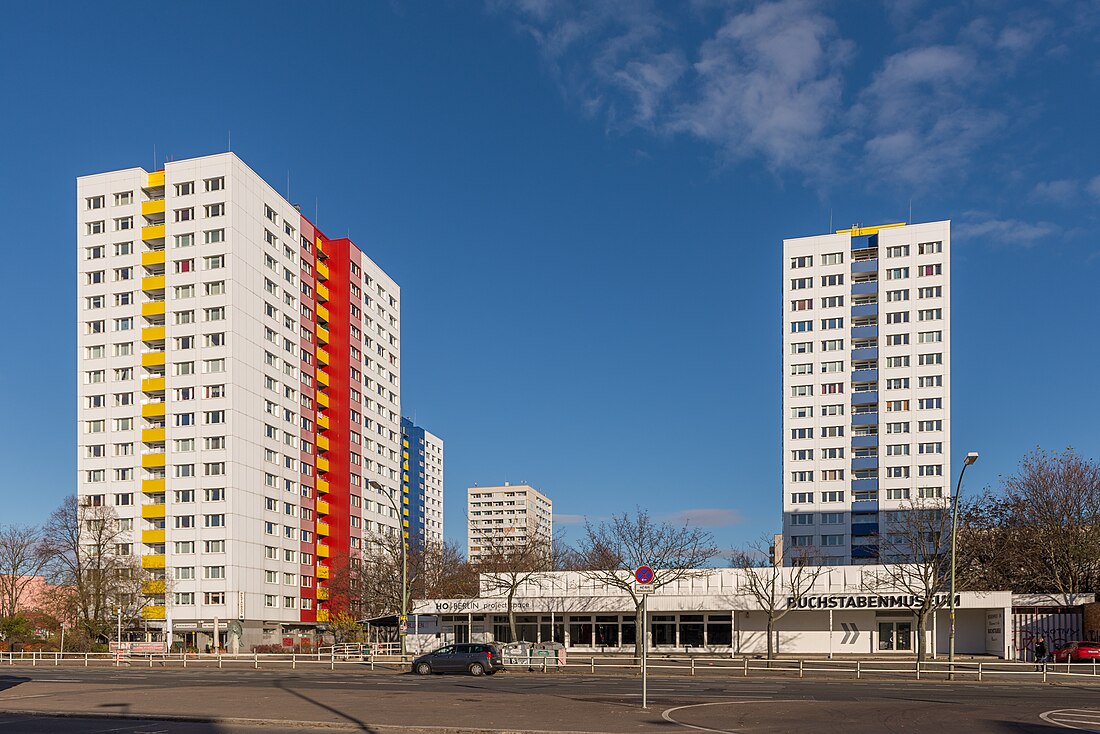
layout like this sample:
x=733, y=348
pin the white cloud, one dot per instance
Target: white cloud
x=1093, y=187
x=561, y=518
x=705, y=517
x=1061, y=191
x=1003, y=231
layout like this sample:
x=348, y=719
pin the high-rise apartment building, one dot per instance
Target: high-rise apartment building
x=239, y=393
x=502, y=518
x=425, y=483
x=866, y=386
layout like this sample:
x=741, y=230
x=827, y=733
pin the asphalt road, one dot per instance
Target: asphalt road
x=390, y=703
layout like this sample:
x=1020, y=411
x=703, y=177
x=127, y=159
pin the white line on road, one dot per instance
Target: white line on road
x=1079, y=719
x=667, y=713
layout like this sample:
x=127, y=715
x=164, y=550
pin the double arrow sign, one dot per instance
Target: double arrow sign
x=851, y=632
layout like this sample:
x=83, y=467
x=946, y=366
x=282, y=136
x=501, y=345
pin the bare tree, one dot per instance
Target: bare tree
x=1041, y=532
x=613, y=549
x=22, y=558
x=98, y=578
x=916, y=548
x=777, y=589
x=505, y=568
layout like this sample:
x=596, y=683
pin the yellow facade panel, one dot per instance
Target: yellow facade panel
x=152, y=359
x=153, y=384
x=151, y=537
x=323, y=378
x=321, y=269
x=323, y=551
x=152, y=460
x=323, y=529
x=153, y=612
x=152, y=283
x=155, y=561
x=152, y=308
x=322, y=292
x=322, y=572
x=152, y=334
x=322, y=312
x=152, y=410
x=156, y=179
x=152, y=486
x=323, y=400
x=149, y=208
x=323, y=422
x=322, y=507
x=152, y=511
x=152, y=435
x=152, y=257
x=153, y=232
x=322, y=464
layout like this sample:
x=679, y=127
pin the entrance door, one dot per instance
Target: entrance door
x=896, y=636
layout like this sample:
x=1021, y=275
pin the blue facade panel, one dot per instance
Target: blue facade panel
x=865, y=529
x=868, y=353
x=415, y=437
x=868, y=309
x=865, y=506
x=864, y=551
x=865, y=266
x=866, y=419
x=865, y=398
x=864, y=332
x=865, y=462
x=864, y=289
x=864, y=442
x=864, y=485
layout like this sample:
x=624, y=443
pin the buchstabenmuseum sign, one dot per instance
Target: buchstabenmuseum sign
x=868, y=601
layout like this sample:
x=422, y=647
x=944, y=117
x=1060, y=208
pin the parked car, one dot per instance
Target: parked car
x=475, y=659
x=1075, y=652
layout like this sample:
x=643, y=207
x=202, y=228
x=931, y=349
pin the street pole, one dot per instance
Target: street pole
x=62, y=639
x=645, y=651
x=970, y=459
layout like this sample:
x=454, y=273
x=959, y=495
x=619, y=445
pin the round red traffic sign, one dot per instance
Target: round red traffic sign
x=643, y=575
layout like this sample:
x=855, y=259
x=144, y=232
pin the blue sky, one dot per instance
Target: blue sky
x=584, y=205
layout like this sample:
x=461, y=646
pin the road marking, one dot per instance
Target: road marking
x=667, y=713
x=1080, y=719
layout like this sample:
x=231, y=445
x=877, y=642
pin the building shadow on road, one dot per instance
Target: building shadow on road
x=11, y=681
x=362, y=725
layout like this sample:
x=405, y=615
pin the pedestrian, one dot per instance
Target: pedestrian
x=1041, y=654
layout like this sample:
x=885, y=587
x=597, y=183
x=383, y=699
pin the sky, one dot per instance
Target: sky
x=584, y=205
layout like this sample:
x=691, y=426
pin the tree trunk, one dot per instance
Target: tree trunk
x=512, y=614
x=771, y=631
x=922, y=623
x=639, y=632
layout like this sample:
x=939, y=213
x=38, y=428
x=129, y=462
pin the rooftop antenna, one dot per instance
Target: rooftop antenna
x=230, y=133
x=910, y=210
x=830, y=219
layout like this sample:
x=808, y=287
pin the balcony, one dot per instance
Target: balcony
x=322, y=464
x=322, y=357
x=323, y=551
x=150, y=208
x=152, y=232
x=864, y=485
x=323, y=378
x=865, y=462
x=152, y=435
x=865, y=419
x=865, y=506
x=864, y=442
x=865, y=529
x=323, y=422
x=865, y=353
x=323, y=335
x=152, y=334
x=152, y=486
x=153, y=384
x=153, y=561
x=323, y=529
x=865, y=289
x=865, y=266
x=864, y=332
x=320, y=245
x=152, y=512
x=865, y=398
x=322, y=572
x=322, y=313
x=152, y=283
x=152, y=461
x=152, y=258
x=153, y=612
x=322, y=292
x=322, y=593
x=154, y=587
x=864, y=551
x=152, y=536
x=870, y=309
x=323, y=443
x=155, y=180
x=405, y=524
x=152, y=359
x=322, y=507
x=323, y=487
x=323, y=400
x=152, y=410
x=322, y=269
x=322, y=615
x=151, y=309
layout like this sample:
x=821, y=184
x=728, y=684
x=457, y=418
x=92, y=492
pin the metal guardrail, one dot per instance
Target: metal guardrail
x=334, y=656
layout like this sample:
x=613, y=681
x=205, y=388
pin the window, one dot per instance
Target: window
x=928, y=426
x=832, y=475
x=930, y=381
x=213, y=236
x=832, y=258
x=185, y=598
x=800, y=391
x=801, y=326
x=802, y=476
x=213, y=572
x=896, y=340
x=214, y=546
x=899, y=361
x=213, y=469
x=802, y=498
x=897, y=251
x=931, y=448
x=798, y=284
x=802, y=541
x=215, y=210
x=802, y=369
x=93, y=278
x=124, y=223
x=832, y=540
x=802, y=455
x=94, y=202
x=184, y=215
x=832, y=302
x=897, y=317
x=897, y=449
x=897, y=427
x=929, y=248
x=214, y=288
x=924, y=270
x=897, y=472
x=804, y=304
x=804, y=411
x=213, y=598
x=214, y=340
x=213, y=417
x=832, y=366
x=214, y=314
x=214, y=262
x=897, y=383
x=185, y=189
x=802, y=348
x=899, y=295
x=184, y=470
x=930, y=403
x=832, y=345
x=832, y=431
x=802, y=518
x=935, y=291
x=927, y=493
x=926, y=359
x=830, y=280
x=184, y=521
x=213, y=366
x=930, y=314
x=897, y=273
x=929, y=337
x=832, y=388
x=124, y=248
x=214, y=184
x=214, y=521
x=930, y=470
x=832, y=518
x=897, y=406
x=832, y=323
x=798, y=433
x=804, y=261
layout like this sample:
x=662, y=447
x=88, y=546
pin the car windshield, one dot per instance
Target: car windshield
x=449, y=650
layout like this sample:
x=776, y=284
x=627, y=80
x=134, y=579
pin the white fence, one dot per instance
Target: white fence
x=712, y=667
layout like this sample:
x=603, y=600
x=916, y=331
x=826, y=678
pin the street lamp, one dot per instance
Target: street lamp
x=970, y=459
x=404, y=564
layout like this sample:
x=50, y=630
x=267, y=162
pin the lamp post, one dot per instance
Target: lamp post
x=970, y=459
x=404, y=565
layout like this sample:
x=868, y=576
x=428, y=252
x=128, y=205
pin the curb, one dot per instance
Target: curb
x=289, y=723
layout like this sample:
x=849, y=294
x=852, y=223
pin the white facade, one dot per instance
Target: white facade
x=848, y=611
x=432, y=488
x=509, y=515
x=192, y=386
x=866, y=386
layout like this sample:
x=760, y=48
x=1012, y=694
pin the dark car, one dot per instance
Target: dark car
x=1075, y=652
x=474, y=658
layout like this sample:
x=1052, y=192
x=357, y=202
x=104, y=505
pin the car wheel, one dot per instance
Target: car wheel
x=423, y=669
x=476, y=669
